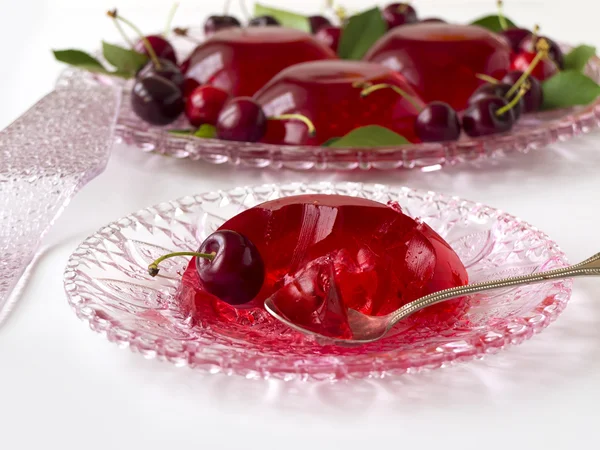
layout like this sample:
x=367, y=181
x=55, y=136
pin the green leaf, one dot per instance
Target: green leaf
x=369, y=136
x=84, y=61
x=360, y=33
x=492, y=23
x=330, y=142
x=569, y=88
x=286, y=18
x=206, y=131
x=123, y=59
x=80, y=59
x=181, y=132
x=577, y=58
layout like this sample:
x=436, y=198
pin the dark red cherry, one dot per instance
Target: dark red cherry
x=482, y=118
x=543, y=70
x=188, y=86
x=162, y=48
x=534, y=97
x=218, y=23
x=204, y=105
x=529, y=44
x=264, y=21
x=398, y=14
x=167, y=69
x=330, y=36
x=318, y=22
x=242, y=119
x=498, y=90
x=432, y=20
x=437, y=122
x=156, y=100
x=237, y=272
x=515, y=36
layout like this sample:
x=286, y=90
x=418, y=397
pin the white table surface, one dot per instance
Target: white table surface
x=62, y=385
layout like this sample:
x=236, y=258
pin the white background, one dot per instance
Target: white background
x=61, y=385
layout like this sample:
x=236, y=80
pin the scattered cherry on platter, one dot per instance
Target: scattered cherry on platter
x=498, y=89
x=398, y=14
x=264, y=21
x=317, y=22
x=228, y=265
x=438, y=122
x=162, y=48
x=156, y=96
x=204, y=105
x=163, y=68
x=330, y=36
x=242, y=119
x=217, y=23
x=534, y=97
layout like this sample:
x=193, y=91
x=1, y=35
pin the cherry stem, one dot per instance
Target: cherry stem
x=535, y=33
x=402, y=8
x=489, y=79
x=113, y=14
x=341, y=13
x=244, y=9
x=183, y=32
x=542, y=47
x=396, y=89
x=513, y=102
x=501, y=18
x=312, y=130
x=123, y=34
x=170, y=18
x=153, y=269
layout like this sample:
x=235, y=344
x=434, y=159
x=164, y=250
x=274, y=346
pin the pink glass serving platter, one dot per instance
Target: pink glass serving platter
x=532, y=132
x=108, y=287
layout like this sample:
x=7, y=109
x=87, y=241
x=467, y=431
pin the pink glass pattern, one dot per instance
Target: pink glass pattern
x=46, y=156
x=107, y=285
x=533, y=132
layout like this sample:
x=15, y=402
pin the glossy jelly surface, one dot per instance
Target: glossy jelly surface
x=441, y=60
x=242, y=60
x=329, y=94
x=326, y=253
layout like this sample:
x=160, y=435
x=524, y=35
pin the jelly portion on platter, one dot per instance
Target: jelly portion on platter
x=242, y=60
x=329, y=94
x=325, y=253
x=441, y=61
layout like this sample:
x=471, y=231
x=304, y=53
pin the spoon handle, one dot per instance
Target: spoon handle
x=589, y=267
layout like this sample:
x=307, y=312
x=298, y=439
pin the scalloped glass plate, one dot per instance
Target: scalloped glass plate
x=532, y=132
x=107, y=285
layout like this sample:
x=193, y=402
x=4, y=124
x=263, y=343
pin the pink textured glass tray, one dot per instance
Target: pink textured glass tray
x=533, y=132
x=107, y=285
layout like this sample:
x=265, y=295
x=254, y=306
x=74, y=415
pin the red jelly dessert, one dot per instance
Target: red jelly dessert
x=328, y=93
x=242, y=60
x=325, y=253
x=441, y=60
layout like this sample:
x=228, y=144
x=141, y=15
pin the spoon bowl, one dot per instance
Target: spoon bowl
x=366, y=329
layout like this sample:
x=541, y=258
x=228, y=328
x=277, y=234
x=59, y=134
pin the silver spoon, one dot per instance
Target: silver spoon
x=366, y=329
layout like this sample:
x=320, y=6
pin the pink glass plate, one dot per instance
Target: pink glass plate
x=533, y=132
x=107, y=285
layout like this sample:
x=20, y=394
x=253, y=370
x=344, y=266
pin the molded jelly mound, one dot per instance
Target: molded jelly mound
x=441, y=60
x=326, y=253
x=328, y=93
x=242, y=60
